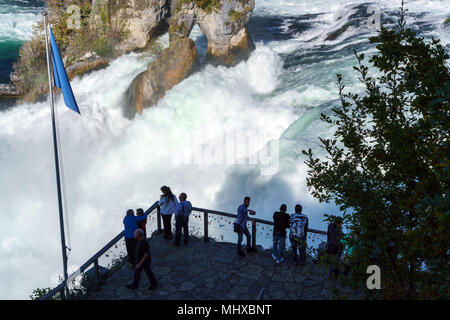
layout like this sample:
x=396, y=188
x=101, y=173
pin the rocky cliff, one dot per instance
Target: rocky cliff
x=138, y=20
x=111, y=28
x=176, y=63
x=223, y=22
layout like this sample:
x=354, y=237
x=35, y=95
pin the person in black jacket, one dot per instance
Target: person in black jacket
x=143, y=261
x=281, y=222
x=334, y=245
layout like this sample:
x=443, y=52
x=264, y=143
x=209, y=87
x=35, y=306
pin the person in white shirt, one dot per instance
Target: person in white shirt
x=298, y=235
x=167, y=204
x=182, y=212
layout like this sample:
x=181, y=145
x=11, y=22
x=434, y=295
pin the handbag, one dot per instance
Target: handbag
x=236, y=227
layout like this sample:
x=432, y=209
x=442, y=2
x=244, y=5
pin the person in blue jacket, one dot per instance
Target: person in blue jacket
x=241, y=221
x=130, y=223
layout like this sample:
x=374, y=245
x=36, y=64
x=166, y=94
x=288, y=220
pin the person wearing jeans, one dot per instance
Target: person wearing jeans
x=280, y=223
x=299, y=245
x=242, y=218
x=182, y=212
x=298, y=235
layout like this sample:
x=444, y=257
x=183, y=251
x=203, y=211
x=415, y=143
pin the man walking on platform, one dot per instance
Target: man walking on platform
x=143, y=261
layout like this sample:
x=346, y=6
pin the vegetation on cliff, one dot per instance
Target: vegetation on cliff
x=387, y=167
x=73, y=44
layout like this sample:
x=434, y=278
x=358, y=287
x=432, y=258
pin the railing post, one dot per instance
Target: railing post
x=205, y=223
x=96, y=274
x=158, y=218
x=253, y=233
x=62, y=293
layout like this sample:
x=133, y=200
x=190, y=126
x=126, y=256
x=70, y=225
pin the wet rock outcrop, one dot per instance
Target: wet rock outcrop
x=223, y=23
x=176, y=63
x=229, y=42
x=138, y=20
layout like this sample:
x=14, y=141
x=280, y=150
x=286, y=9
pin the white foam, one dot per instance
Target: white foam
x=16, y=23
x=113, y=164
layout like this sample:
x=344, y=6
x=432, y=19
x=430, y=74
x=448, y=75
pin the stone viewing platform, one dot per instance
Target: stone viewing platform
x=212, y=270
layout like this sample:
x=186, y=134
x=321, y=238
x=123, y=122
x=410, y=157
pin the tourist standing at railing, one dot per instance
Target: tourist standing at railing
x=334, y=246
x=241, y=222
x=143, y=223
x=182, y=212
x=130, y=223
x=280, y=224
x=143, y=261
x=167, y=204
x=298, y=234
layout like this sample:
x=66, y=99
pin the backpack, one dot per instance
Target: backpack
x=298, y=224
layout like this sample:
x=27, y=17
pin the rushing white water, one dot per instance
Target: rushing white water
x=112, y=163
x=17, y=18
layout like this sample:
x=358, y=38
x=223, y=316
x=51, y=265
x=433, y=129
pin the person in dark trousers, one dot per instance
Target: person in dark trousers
x=130, y=223
x=167, y=205
x=143, y=261
x=142, y=224
x=280, y=223
x=182, y=212
x=335, y=246
x=241, y=221
x=298, y=235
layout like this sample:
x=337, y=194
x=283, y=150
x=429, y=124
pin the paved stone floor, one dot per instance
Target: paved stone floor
x=213, y=270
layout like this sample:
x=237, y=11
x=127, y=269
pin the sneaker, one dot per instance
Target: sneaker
x=252, y=249
x=152, y=287
x=131, y=286
x=274, y=257
x=240, y=253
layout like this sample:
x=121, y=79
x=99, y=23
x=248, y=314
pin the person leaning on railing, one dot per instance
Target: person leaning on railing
x=241, y=224
x=130, y=223
x=280, y=224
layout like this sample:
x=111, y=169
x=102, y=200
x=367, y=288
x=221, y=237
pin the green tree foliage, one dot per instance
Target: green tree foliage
x=387, y=167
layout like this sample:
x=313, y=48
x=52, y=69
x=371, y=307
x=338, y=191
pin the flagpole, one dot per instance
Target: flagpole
x=55, y=150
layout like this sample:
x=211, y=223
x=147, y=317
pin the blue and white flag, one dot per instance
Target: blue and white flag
x=60, y=76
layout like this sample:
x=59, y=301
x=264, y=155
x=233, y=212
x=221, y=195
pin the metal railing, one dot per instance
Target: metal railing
x=206, y=213
x=93, y=260
x=253, y=221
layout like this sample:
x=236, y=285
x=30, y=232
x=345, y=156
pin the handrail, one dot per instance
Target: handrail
x=93, y=259
x=256, y=220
